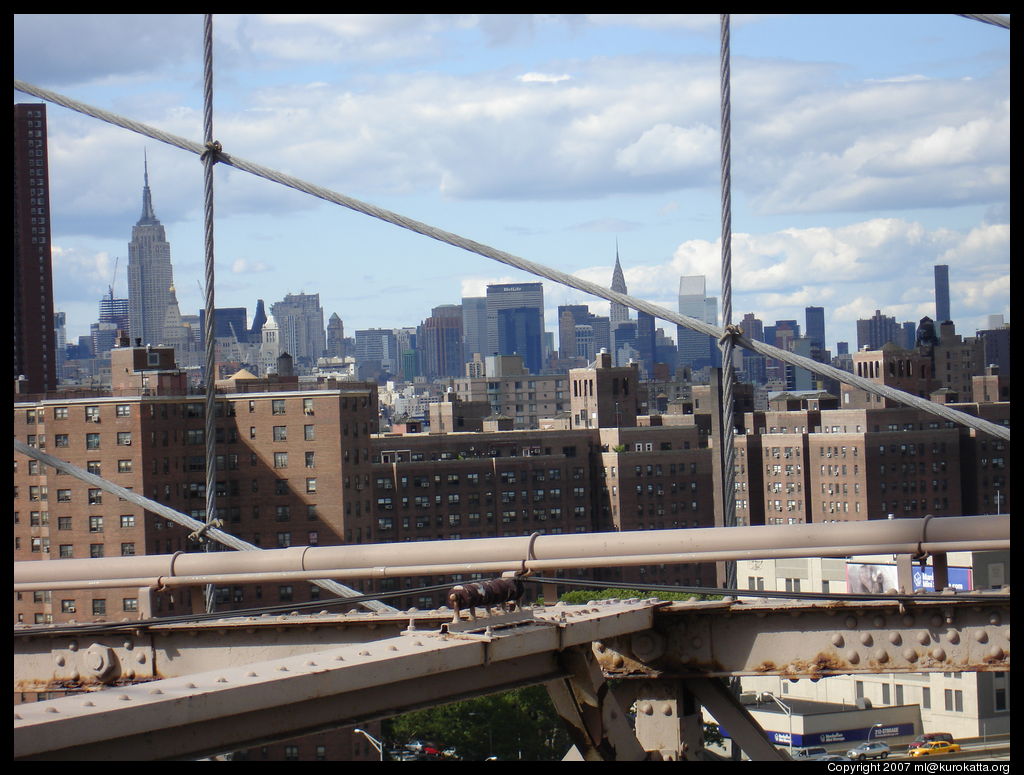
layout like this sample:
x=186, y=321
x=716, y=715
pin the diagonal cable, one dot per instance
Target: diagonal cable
x=539, y=270
x=232, y=542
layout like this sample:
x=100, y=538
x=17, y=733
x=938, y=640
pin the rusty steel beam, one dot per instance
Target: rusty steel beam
x=801, y=639
x=537, y=552
x=693, y=638
x=233, y=707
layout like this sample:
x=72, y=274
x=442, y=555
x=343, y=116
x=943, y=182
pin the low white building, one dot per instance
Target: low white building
x=966, y=705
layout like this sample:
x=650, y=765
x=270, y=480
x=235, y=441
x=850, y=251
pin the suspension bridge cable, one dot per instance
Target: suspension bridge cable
x=727, y=453
x=209, y=158
x=213, y=533
x=539, y=270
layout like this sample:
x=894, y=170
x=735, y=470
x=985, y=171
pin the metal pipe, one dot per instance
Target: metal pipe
x=536, y=552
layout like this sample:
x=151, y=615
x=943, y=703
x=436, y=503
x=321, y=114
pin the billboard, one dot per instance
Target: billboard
x=863, y=578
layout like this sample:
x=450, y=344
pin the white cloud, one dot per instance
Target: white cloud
x=544, y=78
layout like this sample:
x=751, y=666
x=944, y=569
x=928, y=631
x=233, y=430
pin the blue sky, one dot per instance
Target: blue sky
x=866, y=149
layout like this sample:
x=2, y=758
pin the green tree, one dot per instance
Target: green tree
x=582, y=596
x=518, y=724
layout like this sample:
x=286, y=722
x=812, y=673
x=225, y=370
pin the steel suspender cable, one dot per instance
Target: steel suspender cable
x=727, y=451
x=209, y=158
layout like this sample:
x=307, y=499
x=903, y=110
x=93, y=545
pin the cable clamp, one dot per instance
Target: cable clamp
x=732, y=332
x=199, y=535
x=213, y=149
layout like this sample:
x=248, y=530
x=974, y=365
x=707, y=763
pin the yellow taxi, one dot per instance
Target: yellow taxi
x=935, y=747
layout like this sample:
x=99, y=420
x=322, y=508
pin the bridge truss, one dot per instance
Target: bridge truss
x=187, y=690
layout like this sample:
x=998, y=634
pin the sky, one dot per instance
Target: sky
x=865, y=149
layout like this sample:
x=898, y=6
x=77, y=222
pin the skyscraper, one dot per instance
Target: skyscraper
x=814, y=318
x=519, y=333
x=150, y=277
x=300, y=322
x=696, y=350
x=618, y=313
x=877, y=330
x=441, y=342
x=35, y=356
x=941, y=293
x=335, y=337
x=511, y=296
x=474, y=326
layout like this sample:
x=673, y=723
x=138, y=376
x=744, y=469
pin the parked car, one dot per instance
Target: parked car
x=803, y=754
x=935, y=747
x=928, y=737
x=872, y=750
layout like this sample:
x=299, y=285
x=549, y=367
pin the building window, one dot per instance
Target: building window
x=124, y=438
x=92, y=441
x=127, y=549
x=99, y=607
x=95, y=524
x=95, y=550
x=285, y=592
x=129, y=604
x=280, y=460
x=67, y=606
x=277, y=406
x=309, y=432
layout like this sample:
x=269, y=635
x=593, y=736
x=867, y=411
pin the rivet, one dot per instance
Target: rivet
x=129, y=674
x=392, y=647
x=156, y=691
x=123, y=697
x=937, y=621
x=646, y=708
x=878, y=621
x=910, y=655
x=339, y=658
x=128, y=645
x=895, y=638
x=599, y=647
x=908, y=620
x=364, y=653
x=617, y=660
x=191, y=686
x=60, y=661
x=283, y=669
x=141, y=657
x=851, y=622
x=866, y=638
x=923, y=638
x=838, y=640
x=881, y=656
x=89, y=704
x=954, y=637
x=981, y=636
x=995, y=619
x=994, y=653
x=852, y=657
x=52, y=709
x=73, y=646
x=222, y=680
x=311, y=663
x=938, y=653
x=666, y=709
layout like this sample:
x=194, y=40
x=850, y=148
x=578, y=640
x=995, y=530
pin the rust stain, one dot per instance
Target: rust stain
x=765, y=667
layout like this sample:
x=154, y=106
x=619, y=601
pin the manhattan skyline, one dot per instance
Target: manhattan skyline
x=866, y=150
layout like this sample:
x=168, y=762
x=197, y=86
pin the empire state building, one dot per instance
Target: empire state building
x=150, y=280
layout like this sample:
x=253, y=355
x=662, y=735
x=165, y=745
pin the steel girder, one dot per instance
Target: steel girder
x=233, y=707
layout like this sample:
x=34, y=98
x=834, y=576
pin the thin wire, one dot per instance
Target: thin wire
x=539, y=270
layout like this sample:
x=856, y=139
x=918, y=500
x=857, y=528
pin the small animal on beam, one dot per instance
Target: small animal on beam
x=504, y=592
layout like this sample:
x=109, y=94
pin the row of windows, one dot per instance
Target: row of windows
x=41, y=545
